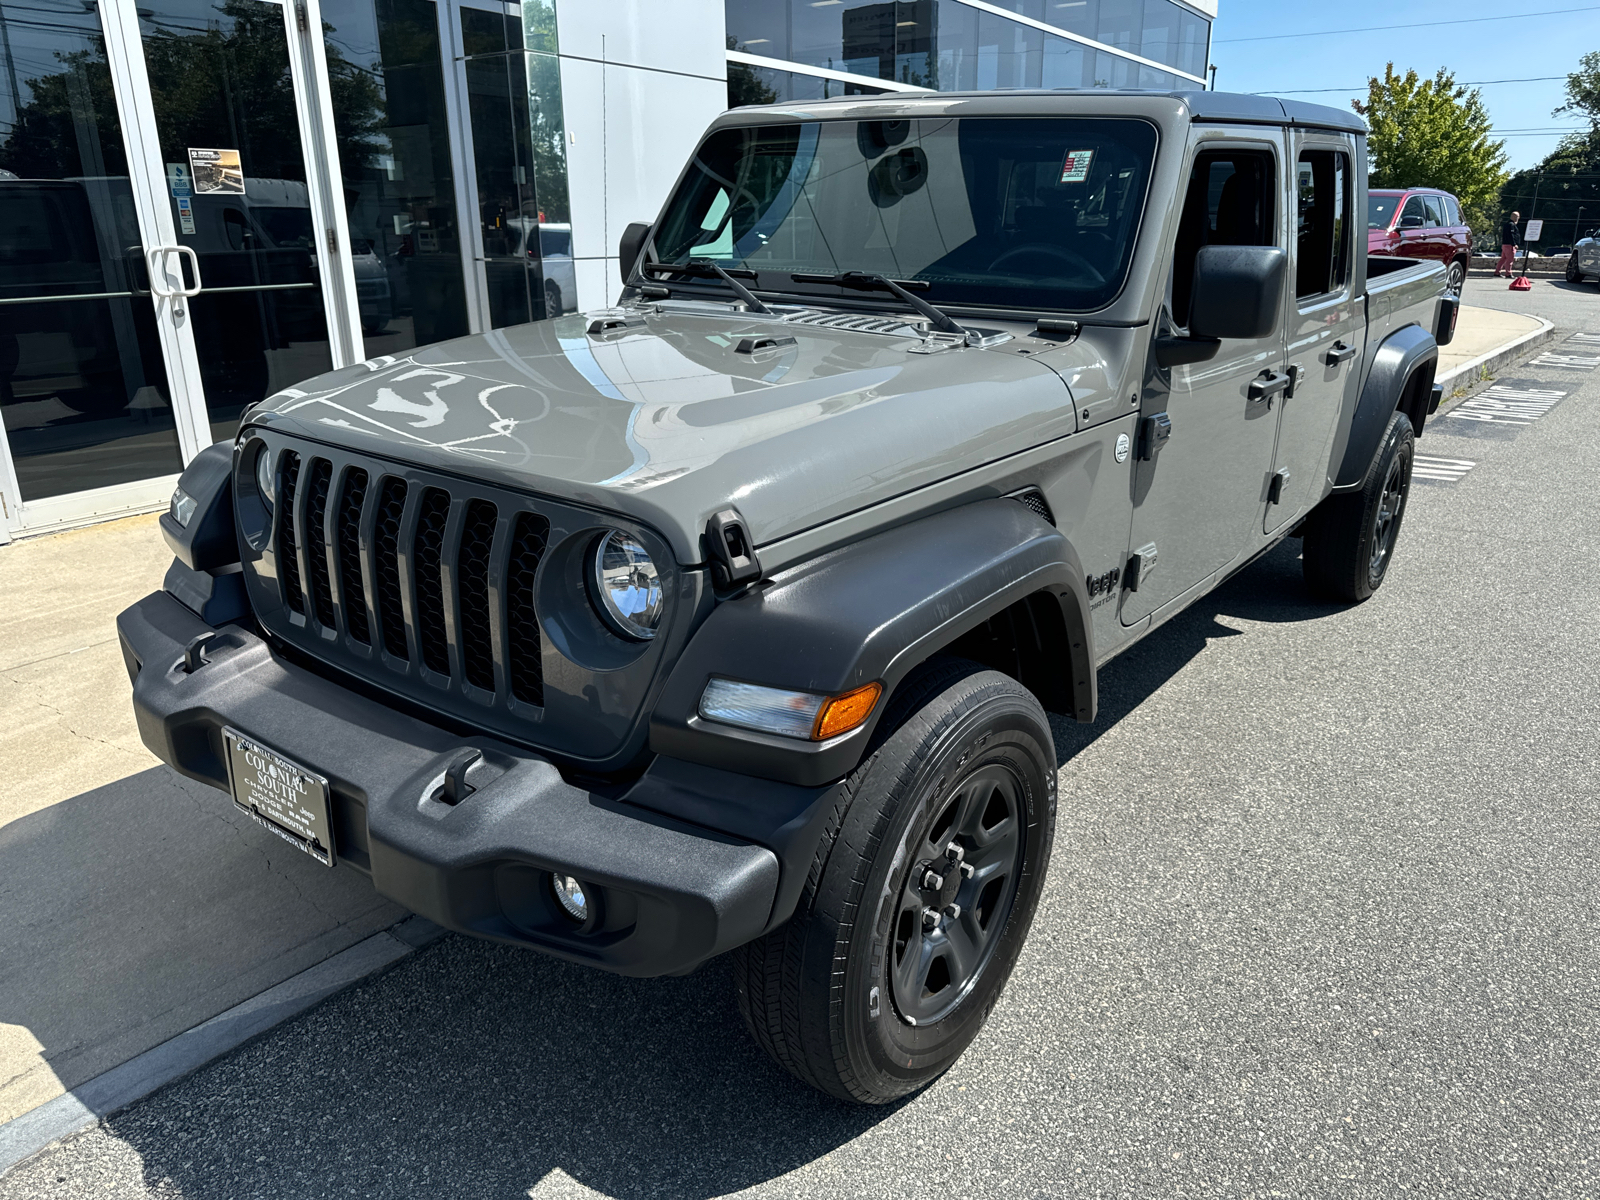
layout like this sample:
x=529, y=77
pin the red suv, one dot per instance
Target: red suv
x=1420, y=223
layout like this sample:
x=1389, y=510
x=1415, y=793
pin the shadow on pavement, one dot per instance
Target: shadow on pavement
x=135, y=911
x=1270, y=589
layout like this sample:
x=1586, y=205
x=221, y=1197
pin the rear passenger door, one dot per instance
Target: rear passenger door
x=1197, y=495
x=1325, y=329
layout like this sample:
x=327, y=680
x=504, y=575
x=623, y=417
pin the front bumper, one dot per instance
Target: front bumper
x=677, y=887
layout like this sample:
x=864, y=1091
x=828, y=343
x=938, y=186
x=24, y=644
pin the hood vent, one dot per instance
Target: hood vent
x=896, y=326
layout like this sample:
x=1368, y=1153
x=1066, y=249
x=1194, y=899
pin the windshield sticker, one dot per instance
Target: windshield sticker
x=216, y=171
x=1076, y=167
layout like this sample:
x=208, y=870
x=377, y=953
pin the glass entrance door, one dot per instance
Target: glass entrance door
x=84, y=392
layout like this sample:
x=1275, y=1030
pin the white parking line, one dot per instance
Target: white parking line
x=1501, y=405
x=1566, y=362
x=1446, y=470
x=1585, y=339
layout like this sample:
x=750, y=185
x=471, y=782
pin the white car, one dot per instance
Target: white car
x=555, y=258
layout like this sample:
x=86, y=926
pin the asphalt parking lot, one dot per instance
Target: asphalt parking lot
x=1321, y=921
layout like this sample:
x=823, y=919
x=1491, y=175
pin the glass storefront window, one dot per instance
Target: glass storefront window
x=950, y=46
x=83, y=385
x=387, y=82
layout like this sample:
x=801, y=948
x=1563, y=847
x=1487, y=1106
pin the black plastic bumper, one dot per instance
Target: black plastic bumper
x=689, y=862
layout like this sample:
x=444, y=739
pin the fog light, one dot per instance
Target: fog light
x=183, y=506
x=571, y=897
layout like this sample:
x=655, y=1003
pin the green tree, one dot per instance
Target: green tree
x=1568, y=180
x=1434, y=133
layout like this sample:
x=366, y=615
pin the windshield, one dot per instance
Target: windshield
x=1015, y=213
x=1380, y=210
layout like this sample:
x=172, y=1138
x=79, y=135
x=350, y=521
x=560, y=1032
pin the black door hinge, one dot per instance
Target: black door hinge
x=1153, y=434
x=1141, y=565
x=1275, y=488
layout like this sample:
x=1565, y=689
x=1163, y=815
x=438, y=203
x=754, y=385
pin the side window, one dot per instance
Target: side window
x=1322, y=232
x=1413, y=215
x=1229, y=203
x=1452, y=211
x=1435, y=212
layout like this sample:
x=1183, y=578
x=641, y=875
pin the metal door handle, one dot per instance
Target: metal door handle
x=1340, y=353
x=1267, y=385
x=156, y=255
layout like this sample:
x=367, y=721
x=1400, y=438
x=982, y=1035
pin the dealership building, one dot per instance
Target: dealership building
x=205, y=201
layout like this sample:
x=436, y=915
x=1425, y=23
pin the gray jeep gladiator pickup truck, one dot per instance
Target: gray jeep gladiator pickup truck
x=728, y=618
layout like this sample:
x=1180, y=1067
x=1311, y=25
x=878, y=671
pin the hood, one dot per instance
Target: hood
x=666, y=420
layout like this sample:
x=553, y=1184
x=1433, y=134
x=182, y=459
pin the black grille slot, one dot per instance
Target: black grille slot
x=477, y=648
x=1033, y=498
x=288, y=547
x=527, y=666
x=351, y=592
x=317, y=540
x=386, y=565
x=428, y=566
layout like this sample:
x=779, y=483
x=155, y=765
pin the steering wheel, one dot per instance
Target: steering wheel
x=1074, y=260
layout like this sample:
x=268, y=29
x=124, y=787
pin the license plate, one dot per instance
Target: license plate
x=281, y=795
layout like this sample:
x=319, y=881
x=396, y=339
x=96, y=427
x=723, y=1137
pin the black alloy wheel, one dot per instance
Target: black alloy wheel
x=957, y=895
x=1350, y=538
x=1455, y=277
x=921, y=894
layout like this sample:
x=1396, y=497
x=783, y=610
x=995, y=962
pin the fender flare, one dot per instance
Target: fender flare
x=870, y=611
x=1402, y=354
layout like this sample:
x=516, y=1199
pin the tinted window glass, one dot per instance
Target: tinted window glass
x=1229, y=203
x=1380, y=210
x=1322, y=237
x=1435, y=211
x=1017, y=213
x=1415, y=213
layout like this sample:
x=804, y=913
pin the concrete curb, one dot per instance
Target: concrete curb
x=1499, y=357
x=23, y=1137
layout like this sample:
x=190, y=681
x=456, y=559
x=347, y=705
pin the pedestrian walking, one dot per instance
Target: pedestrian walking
x=1509, y=241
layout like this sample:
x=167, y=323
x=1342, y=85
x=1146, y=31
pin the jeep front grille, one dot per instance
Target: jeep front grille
x=444, y=575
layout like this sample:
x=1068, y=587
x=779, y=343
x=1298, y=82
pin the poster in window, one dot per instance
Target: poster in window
x=216, y=171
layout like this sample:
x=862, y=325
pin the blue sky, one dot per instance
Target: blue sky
x=1517, y=48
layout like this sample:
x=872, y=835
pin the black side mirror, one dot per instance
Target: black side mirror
x=630, y=247
x=1237, y=293
x=1411, y=222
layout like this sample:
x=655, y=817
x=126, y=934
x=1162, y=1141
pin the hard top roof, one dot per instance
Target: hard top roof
x=1203, y=106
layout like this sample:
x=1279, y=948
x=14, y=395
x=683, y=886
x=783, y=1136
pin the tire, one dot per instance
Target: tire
x=1350, y=538
x=552, y=299
x=850, y=996
x=1574, y=275
x=1455, y=277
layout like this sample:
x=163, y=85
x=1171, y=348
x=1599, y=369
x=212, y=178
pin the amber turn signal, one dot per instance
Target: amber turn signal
x=841, y=714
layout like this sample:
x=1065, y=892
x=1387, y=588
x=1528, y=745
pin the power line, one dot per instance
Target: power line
x=1276, y=37
x=1363, y=87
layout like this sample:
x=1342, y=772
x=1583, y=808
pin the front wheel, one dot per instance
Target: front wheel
x=920, y=896
x=1350, y=538
x=1574, y=275
x=1455, y=277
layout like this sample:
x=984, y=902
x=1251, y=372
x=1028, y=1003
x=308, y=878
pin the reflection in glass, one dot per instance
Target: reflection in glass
x=519, y=160
x=394, y=148
x=950, y=46
x=219, y=80
x=82, y=385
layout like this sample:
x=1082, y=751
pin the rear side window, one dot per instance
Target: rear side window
x=1435, y=211
x=1452, y=210
x=1229, y=203
x=1322, y=231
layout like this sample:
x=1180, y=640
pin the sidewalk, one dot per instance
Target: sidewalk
x=134, y=904
x=1486, y=337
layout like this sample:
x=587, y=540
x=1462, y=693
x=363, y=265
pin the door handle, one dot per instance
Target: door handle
x=1267, y=385
x=1340, y=353
x=159, y=284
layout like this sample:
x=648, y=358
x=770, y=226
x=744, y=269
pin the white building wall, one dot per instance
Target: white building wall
x=640, y=81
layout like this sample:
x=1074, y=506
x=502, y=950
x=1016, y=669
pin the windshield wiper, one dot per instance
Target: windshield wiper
x=706, y=269
x=866, y=281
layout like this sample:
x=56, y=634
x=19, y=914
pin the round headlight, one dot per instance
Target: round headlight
x=627, y=586
x=265, y=481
